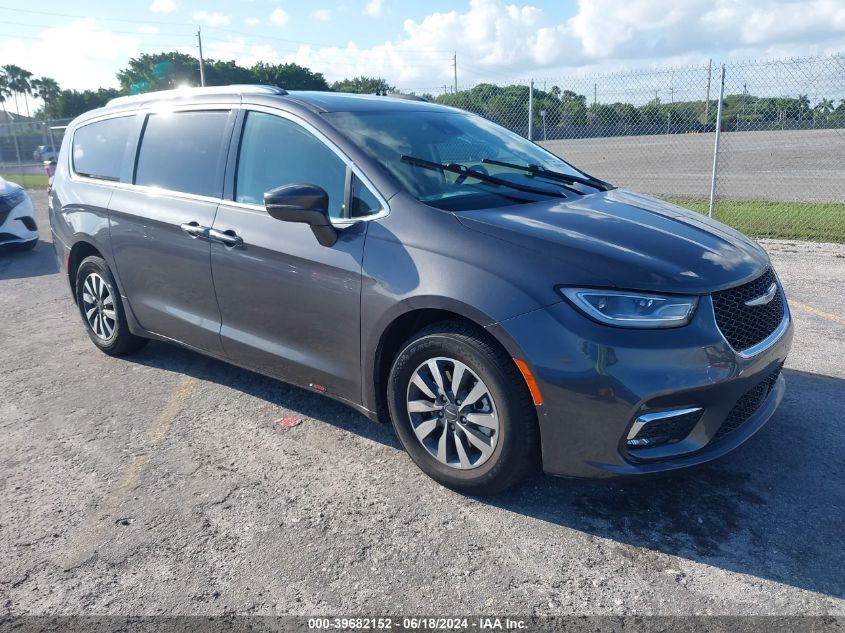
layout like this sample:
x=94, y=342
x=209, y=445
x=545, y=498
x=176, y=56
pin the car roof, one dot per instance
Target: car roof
x=350, y=102
x=313, y=100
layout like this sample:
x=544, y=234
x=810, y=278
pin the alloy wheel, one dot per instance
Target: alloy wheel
x=452, y=413
x=98, y=307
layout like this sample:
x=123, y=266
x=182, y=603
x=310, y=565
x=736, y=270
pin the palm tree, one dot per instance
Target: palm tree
x=825, y=107
x=47, y=89
x=5, y=91
x=18, y=81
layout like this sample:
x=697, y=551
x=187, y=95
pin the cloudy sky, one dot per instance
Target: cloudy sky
x=82, y=44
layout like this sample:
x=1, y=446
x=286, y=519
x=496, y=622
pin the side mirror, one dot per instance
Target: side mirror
x=308, y=204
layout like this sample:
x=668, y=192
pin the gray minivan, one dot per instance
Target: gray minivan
x=503, y=309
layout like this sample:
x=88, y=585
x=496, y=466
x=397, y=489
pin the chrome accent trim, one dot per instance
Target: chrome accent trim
x=772, y=338
x=165, y=107
x=764, y=298
x=644, y=419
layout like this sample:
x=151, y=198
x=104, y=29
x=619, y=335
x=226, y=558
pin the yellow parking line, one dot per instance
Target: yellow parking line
x=819, y=313
x=92, y=531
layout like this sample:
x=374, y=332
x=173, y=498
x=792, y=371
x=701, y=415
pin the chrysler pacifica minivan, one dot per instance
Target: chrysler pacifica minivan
x=503, y=309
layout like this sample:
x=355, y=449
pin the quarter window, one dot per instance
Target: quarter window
x=276, y=152
x=183, y=151
x=364, y=201
x=98, y=148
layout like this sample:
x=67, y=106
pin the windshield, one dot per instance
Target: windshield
x=404, y=141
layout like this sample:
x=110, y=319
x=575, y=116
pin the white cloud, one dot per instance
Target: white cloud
x=279, y=16
x=251, y=21
x=163, y=6
x=374, y=8
x=496, y=40
x=211, y=19
x=323, y=15
x=91, y=54
x=148, y=30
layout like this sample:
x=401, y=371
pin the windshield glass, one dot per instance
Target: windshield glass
x=455, y=138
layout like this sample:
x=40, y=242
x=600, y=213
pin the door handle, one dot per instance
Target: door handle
x=227, y=238
x=194, y=229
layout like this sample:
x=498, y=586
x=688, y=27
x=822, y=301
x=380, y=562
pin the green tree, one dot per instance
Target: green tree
x=18, y=80
x=288, y=76
x=72, y=103
x=219, y=73
x=825, y=107
x=159, y=71
x=5, y=90
x=363, y=85
x=47, y=89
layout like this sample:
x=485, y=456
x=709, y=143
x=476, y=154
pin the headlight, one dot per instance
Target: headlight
x=632, y=309
x=11, y=199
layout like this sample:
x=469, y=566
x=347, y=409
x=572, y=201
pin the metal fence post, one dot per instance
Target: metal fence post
x=716, y=146
x=531, y=110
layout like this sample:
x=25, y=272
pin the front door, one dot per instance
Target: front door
x=290, y=307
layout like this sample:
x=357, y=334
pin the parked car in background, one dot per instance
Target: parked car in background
x=18, y=229
x=503, y=309
x=45, y=153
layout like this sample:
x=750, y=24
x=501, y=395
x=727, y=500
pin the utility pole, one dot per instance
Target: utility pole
x=595, y=93
x=455, y=69
x=202, y=65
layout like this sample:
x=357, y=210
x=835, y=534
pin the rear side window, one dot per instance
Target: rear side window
x=183, y=151
x=98, y=148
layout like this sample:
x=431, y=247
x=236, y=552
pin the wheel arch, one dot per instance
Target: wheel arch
x=78, y=252
x=400, y=326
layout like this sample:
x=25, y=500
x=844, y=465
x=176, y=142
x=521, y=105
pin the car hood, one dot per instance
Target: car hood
x=7, y=187
x=627, y=240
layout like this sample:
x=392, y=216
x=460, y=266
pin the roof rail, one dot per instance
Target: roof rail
x=192, y=91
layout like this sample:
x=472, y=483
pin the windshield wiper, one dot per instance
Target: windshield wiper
x=554, y=175
x=465, y=172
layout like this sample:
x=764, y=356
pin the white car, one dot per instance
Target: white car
x=17, y=217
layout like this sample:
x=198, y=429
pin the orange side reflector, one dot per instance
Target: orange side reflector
x=533, y=387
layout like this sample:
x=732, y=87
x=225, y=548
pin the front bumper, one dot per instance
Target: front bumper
x=597, y=380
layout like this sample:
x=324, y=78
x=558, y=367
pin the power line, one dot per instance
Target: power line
x=216, y=28
x=53, y=26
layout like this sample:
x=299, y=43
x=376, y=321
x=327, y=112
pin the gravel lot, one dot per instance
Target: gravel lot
x=161, y=484
x=790, y=165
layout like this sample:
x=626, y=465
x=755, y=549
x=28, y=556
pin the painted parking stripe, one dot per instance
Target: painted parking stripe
x=803, y=307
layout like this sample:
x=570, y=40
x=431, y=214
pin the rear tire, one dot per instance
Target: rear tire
x=102, y=309
x=479, y=436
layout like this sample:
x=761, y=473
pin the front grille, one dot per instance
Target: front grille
x=745, y=326
x=748, y=404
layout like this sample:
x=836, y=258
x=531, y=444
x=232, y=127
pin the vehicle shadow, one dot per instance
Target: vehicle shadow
x=304, y=402
x=774, y=508
x=19, y=264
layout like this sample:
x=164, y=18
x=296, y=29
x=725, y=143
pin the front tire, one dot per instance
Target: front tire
x=462, y=410
x=102, y=310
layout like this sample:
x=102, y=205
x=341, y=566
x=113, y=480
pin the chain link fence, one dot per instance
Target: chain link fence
x=779, y=171
x=25, y=144
x=780, y=125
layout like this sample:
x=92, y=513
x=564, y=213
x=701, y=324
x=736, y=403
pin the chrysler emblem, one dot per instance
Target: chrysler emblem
x=764, y=298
